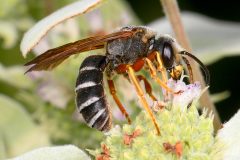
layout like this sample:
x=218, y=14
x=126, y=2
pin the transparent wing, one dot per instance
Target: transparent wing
x=53, y=57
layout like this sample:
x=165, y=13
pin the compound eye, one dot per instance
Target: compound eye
x=167, y=55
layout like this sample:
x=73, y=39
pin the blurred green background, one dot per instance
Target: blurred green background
x=38, y=109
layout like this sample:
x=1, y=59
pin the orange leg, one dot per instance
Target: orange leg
x=148, y=87
x=153, y=73
x=161, y=68
x=141, y=96
x=189, y=69
x=116, y=99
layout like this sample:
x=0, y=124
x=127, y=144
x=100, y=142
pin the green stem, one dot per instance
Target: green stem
x=172, y=12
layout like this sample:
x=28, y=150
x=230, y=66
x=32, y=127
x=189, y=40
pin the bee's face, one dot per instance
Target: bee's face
x=171, y=53
x=169, y=49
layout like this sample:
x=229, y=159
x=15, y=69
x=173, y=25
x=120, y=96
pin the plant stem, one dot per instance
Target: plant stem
x=48, y=6
x=172, y=12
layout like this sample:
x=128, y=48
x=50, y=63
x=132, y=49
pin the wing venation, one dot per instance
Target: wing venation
x=53, y=57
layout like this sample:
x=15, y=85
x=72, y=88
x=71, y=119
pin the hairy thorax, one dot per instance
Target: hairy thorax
x=129, y=50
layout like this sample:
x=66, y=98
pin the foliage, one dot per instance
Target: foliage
x=38, y=109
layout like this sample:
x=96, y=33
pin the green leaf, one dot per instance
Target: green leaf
x=7, y=7
x=18, y=131
x=2, y=148
x=9, y=34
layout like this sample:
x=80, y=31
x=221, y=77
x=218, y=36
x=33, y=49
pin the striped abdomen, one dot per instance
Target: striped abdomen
x=90, y=98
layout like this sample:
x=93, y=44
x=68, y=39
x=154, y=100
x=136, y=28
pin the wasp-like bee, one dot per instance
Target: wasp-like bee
x=127, y=51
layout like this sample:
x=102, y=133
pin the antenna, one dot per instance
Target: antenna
x=206, y=71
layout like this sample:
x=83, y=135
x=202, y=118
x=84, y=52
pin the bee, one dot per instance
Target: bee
x=127, y=51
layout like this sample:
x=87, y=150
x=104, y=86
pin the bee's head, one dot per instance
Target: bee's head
x=170, y=52
x=169, y=49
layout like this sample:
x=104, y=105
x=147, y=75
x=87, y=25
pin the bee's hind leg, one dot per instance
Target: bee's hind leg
x=116, y=99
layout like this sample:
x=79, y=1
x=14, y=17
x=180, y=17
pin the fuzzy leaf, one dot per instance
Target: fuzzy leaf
x=36, y=33
x=18, y=132
x=66, y=152
x=229, y=134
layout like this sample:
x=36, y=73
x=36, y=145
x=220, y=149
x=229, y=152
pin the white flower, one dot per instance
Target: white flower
x=188, y=93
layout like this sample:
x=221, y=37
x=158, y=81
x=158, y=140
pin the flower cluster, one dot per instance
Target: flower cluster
x=185, y=134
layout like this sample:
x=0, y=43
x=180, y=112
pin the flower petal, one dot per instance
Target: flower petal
x=189, y=93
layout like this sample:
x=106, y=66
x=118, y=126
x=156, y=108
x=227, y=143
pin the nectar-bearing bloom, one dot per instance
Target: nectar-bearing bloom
x=185, y=134
x=188, y=93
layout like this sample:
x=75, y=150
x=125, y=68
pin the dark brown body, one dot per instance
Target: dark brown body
x=119, y=53
x=126, y=48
